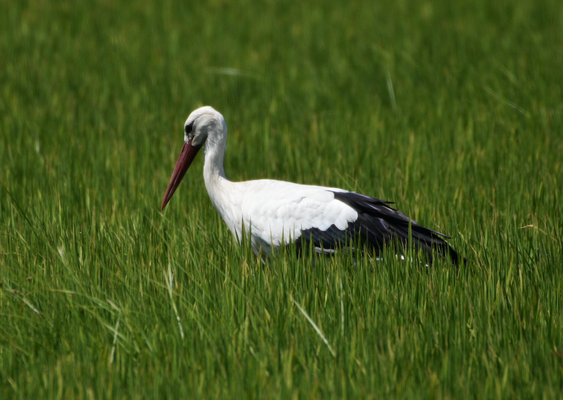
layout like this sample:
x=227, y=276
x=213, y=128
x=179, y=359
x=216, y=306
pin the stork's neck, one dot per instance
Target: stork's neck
x=213, y=171
x=221, y=191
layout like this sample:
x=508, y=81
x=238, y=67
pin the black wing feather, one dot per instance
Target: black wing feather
x=377, y=225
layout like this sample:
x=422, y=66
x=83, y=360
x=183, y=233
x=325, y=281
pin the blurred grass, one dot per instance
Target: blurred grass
x=453, y=110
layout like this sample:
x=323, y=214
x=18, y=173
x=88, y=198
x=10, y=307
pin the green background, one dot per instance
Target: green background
x=451, y=109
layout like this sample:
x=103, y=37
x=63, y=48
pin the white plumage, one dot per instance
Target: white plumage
x=276, y=213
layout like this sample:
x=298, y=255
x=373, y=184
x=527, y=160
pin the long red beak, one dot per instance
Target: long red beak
x=184, y=161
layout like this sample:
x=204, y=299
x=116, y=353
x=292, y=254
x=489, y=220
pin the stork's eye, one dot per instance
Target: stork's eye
x=188, y=128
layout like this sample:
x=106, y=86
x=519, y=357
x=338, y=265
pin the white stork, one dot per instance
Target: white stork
x=275, y=213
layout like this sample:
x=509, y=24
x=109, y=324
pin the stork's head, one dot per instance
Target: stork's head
x=203, y=124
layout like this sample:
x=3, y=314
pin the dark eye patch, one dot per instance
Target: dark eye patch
x=188, y=128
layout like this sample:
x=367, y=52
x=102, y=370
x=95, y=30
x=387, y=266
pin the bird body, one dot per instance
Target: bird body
x=275, y=213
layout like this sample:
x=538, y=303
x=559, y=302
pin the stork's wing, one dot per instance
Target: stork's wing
x=376, y=226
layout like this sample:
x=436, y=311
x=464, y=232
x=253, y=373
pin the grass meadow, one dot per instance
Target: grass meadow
x=454, y=110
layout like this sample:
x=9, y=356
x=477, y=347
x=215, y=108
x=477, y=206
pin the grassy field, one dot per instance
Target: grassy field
x=454, y=110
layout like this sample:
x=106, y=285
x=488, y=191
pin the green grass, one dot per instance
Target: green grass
x=452, y=109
